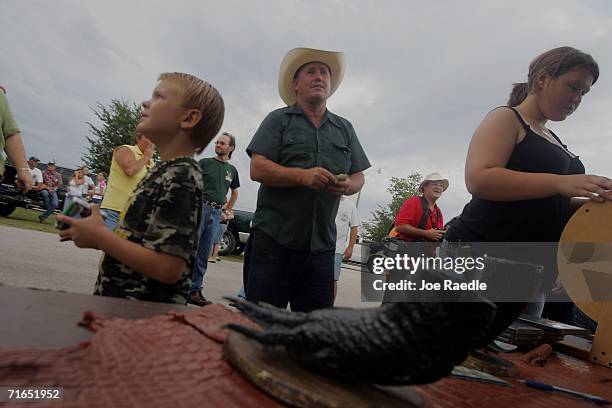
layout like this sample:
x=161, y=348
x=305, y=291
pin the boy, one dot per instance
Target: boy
x=150, y=255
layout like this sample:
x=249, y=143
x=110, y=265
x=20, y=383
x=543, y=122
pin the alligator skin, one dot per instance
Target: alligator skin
x=397, y=343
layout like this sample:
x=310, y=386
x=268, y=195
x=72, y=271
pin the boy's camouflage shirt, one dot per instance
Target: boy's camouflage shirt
x=163, y=214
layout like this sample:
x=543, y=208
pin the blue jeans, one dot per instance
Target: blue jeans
x=337, y=265
x=50, y=201
x=241, y=293
x=209, y=225
x=219, y=235
x=111, y=218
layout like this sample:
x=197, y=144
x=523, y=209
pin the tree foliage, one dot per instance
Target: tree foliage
x=118, y=127
x=384, y=216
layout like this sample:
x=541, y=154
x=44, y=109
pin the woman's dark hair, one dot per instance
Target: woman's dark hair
x=555, y=62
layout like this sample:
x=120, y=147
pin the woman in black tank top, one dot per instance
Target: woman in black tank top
x=522, y=178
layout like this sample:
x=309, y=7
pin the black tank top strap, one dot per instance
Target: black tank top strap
x=519, y=117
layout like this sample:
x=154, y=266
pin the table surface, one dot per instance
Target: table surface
x=32, y=318
x=35, y=318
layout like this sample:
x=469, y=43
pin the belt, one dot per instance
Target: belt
x=212, y=204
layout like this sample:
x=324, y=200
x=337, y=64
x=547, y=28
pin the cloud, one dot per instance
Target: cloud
x=420, y=77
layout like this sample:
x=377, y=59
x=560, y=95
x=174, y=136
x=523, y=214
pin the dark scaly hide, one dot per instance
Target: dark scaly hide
x=397, y=343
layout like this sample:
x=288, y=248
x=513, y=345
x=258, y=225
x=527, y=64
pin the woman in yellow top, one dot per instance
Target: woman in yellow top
x=129, y=165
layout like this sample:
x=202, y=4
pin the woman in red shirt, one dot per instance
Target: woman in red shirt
x=411, y=224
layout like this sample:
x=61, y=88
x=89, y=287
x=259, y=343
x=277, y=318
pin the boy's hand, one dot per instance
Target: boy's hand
x=85, y=232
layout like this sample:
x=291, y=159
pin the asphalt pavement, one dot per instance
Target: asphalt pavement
x=39, y=260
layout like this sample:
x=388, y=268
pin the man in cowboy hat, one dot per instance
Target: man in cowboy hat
x=305, y=158
x=419, y=218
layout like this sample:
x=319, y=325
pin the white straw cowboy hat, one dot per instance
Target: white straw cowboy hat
x=434, y=177
x=297, y=57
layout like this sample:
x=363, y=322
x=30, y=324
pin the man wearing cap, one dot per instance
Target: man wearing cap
x=36, y=177
x=52, y=180
x=419, y=218
x=305, y=158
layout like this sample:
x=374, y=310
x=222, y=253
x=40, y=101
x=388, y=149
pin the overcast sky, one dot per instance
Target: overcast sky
x=420, y=75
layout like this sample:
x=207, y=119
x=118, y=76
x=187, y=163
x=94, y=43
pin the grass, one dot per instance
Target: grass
x=28, y=219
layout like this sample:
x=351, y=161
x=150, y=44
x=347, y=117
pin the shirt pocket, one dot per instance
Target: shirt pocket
x=295, y=151
x=341, y=158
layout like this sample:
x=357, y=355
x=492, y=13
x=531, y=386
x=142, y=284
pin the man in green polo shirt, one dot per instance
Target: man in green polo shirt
x=305, y=158
x=219, y=176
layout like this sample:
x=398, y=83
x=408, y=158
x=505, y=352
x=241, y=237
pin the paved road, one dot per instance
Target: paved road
x=37, y=259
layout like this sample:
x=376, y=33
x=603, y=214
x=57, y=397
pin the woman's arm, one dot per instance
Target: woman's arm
x=486, y=176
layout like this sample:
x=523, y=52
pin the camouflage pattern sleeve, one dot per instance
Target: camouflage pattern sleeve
x=174, y=225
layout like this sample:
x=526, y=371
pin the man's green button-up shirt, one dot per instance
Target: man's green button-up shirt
x=299, y=217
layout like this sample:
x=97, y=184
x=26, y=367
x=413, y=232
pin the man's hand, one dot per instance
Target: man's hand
x=86, y=232
x=348, y=252
x=341, y=185
x=227, y=215
x=25, y=179
x=433, y=234
x=317, y=178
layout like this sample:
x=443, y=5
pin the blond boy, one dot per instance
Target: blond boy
x=150, y=255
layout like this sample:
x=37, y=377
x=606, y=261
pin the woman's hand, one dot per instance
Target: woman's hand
x=596, y=188
x=433, y=234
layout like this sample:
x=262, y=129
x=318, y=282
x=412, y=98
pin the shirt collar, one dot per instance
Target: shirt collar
x=296, y=109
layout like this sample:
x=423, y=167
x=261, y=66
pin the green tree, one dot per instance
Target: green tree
x=384, y=216
x=118, y=127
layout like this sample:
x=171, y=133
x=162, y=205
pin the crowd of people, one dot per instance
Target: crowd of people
x=158, y=222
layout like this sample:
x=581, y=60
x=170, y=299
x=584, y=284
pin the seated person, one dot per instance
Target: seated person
x=36, y=176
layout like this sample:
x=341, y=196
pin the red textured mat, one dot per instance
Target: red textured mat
x=560, y=370
x=170, y=360
x=175, y=360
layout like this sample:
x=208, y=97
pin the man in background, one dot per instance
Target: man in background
x=52, y=181
x=36, y=176
x=347, y=225
x=219, y=177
